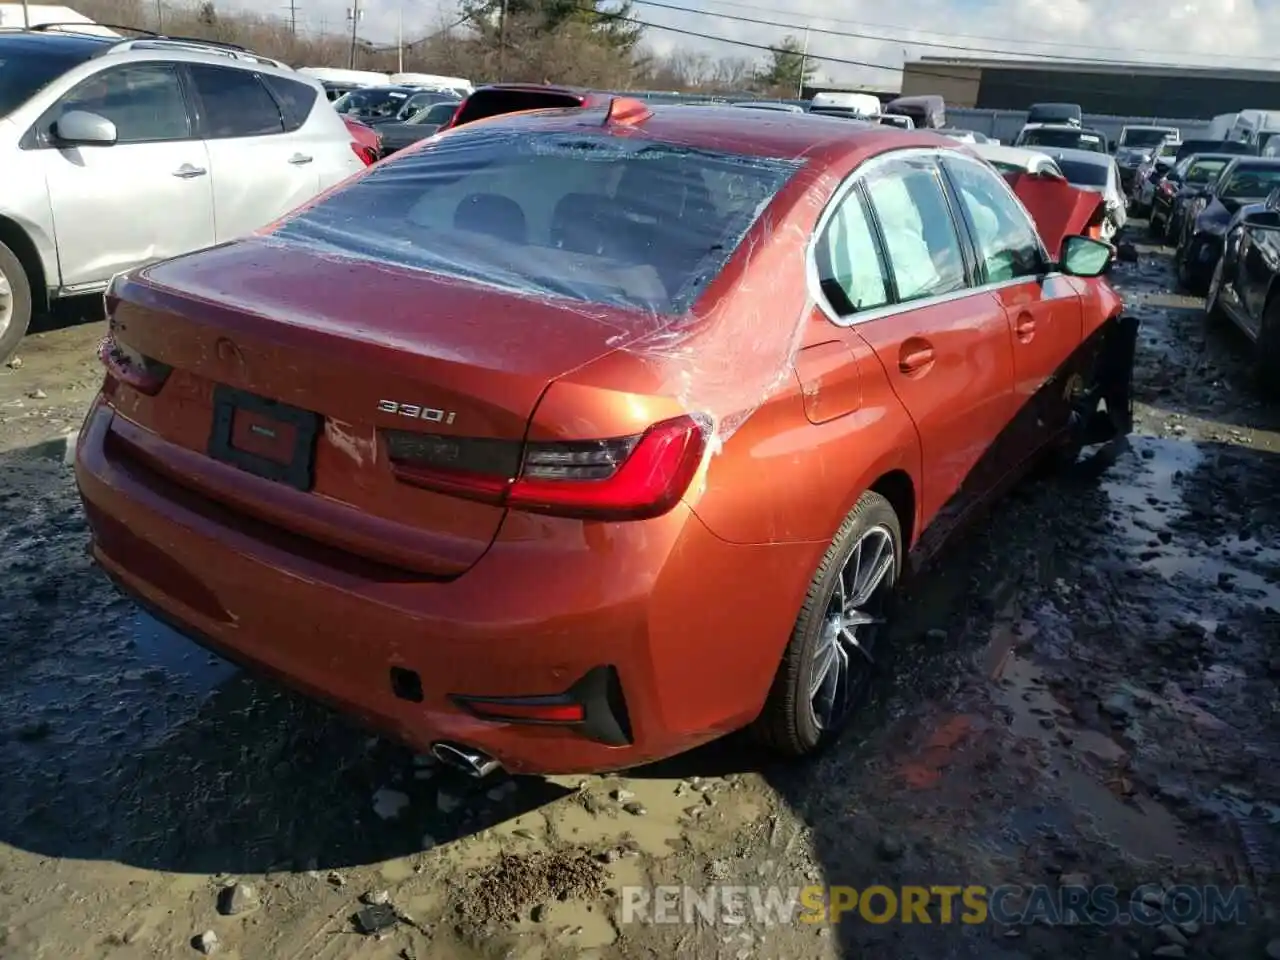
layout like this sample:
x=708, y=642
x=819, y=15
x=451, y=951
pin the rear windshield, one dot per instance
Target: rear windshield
x=1202, y=171
x=1068, y=139
x=589, y=217
x=492, y=103
x=366, y=103
x=1083, y=174
x=1145, y=136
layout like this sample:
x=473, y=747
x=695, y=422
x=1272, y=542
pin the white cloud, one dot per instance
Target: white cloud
x=1224, y=33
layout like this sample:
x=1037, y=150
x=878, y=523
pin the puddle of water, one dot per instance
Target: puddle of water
x=1140, y=827
x=1146, y=503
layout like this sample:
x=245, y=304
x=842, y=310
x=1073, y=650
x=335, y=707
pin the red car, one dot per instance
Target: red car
x=573, y=440
x=365, y=140
x=502, y=98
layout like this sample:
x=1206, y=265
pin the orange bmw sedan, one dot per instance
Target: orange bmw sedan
x=573, y=439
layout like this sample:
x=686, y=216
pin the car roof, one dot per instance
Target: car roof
x=37, y=40
x=998, y=151
x=1061, y=126
x=779, y=135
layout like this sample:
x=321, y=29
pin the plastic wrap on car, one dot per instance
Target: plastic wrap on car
x=614, y=226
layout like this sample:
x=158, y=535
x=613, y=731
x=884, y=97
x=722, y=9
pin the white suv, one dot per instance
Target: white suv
x=120, y=152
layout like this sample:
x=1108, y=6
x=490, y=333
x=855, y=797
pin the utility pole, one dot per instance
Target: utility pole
x=400, y=39
x=354, y=14
x=804, y=62
x=159, y=16
x=293, y=19
x=26, y=16
x=502, y=41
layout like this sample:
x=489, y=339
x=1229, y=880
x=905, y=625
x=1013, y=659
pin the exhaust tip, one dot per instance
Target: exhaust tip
x=473, y=763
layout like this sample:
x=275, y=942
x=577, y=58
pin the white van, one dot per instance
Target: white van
x=835, y=103
x=430, y=81
x=1220, y=126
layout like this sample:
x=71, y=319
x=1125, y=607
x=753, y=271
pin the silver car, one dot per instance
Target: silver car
x=118, y=152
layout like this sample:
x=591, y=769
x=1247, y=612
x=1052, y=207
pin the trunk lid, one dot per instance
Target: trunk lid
x=1058, y=209
x=368, y=348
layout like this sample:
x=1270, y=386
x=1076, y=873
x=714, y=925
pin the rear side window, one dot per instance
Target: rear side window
x=589, y=217
x=295, y=100
x=491, y=103
x=850, y=271
x=919, y=232
x=235, y=103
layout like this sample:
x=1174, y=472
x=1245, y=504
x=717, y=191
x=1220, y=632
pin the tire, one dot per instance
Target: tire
x=789, y=724
x=15, y=302
x=1267, y=351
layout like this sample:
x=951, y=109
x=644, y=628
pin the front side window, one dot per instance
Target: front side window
x=919, y=233
x=850, y=271
x=234, y=103
x=143, y=100
x=586, y=216
x=1007, y=242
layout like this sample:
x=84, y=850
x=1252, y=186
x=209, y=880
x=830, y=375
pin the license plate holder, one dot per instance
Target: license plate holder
x=286, y=453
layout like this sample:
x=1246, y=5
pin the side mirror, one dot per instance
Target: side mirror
x=79, y=127
x=1085, y=257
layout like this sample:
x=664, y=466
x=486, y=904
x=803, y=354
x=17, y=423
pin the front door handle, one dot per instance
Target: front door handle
x=915, y=357
x=187, y=172
x=1025, y=328
x=298, y=159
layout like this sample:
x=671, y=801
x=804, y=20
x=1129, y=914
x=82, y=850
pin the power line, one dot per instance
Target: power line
x=737, y=4
x=868, y=36
x=917, y=69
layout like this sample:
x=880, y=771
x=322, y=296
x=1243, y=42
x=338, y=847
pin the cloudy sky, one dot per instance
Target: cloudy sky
x=1240, y=33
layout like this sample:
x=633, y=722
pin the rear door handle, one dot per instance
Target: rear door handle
x=298, y=159
x=915, y=360
x=187, y=172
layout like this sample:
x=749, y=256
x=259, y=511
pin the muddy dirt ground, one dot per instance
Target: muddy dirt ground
x=1085, y=691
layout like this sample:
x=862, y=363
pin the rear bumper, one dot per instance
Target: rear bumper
x=664, y=604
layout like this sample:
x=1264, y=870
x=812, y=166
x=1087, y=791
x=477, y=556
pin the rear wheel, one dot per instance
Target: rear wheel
x=15, y=302
x=827, y=667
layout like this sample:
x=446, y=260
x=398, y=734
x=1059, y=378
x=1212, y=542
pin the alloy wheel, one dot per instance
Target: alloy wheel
x=6, y=303
x=855, y=615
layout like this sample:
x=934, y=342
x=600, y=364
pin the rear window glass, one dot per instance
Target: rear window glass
x=589, y=217
x=491, y=103
x=1083, y=174
x=1202, y=171
x=295, y=99
x=1070, y=139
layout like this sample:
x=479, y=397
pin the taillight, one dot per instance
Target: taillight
x=366, y=154
x=131, y=367
x=1167, y=188
x=623, y=478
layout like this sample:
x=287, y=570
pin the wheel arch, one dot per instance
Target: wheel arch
x=17, y=239
x=899, y=489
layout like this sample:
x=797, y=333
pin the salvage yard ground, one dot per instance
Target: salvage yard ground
x=1084, y=691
